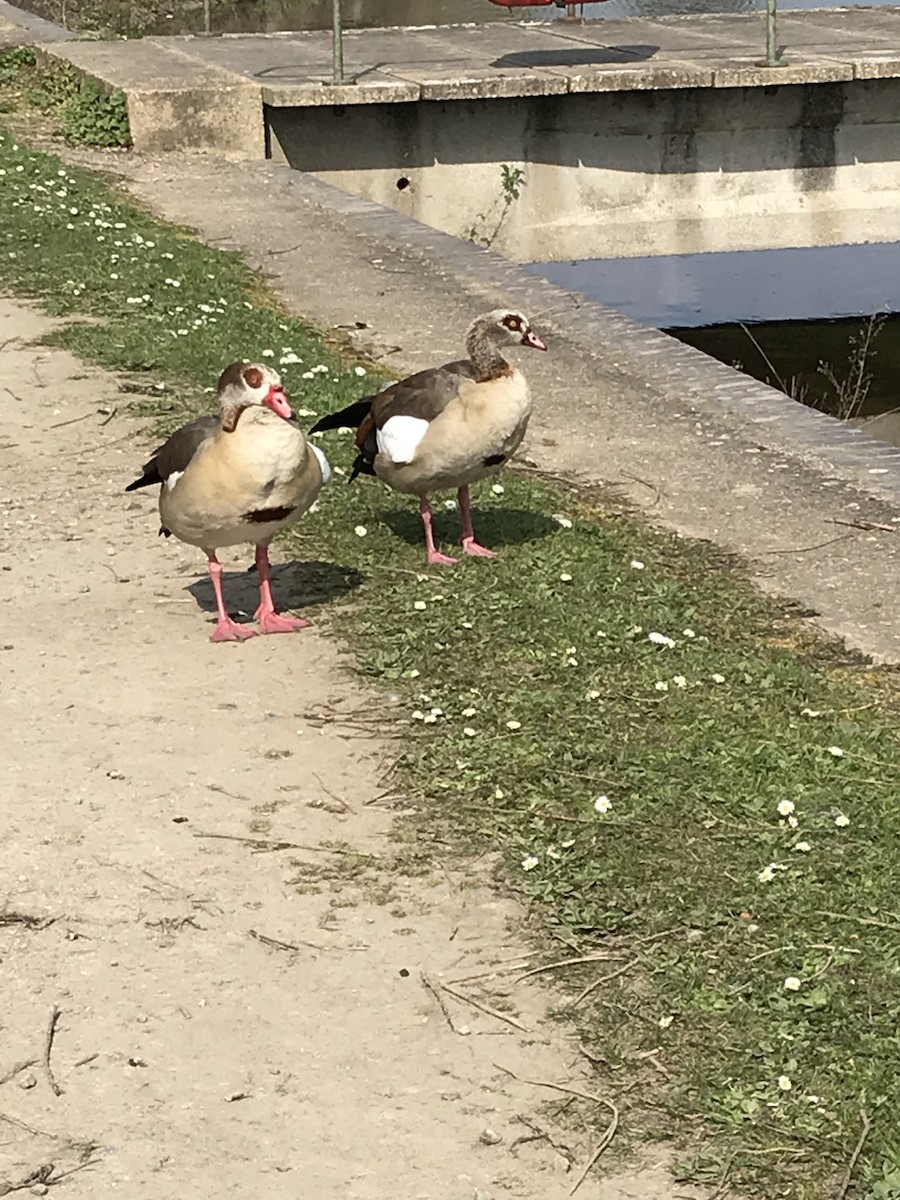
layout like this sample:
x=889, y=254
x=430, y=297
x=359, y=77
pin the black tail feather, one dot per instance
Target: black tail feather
x=150, y=477
x=350, y=417
x=362, y=466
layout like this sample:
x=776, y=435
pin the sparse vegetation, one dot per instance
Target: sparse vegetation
x=486, y=227
x=81, y=112
x=672, y=772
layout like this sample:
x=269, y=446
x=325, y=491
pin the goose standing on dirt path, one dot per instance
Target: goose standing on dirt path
x=238, y=477
x=449, y=426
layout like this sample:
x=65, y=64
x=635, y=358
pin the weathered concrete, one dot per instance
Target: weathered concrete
x=629, y=137
x=621, y=173
x=174, y=102
x=696, y=445
x=21, y=28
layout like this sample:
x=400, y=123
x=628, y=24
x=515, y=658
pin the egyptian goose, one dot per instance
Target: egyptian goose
x=238, y=477
x=446, y=427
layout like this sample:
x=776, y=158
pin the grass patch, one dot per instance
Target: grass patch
x=742, y=870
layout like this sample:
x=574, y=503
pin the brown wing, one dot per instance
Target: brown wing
x=424, y=395
x=175, y=454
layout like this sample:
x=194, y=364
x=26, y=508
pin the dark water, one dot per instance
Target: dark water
x=820, y=323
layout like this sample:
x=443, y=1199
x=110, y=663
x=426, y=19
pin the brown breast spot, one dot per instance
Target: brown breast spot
x=264, y=516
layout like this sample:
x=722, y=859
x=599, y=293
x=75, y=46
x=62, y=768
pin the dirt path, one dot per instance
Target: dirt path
x=213, y=1064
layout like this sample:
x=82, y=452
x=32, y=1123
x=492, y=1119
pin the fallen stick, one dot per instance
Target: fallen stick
x=854, y=1157
x=48, y=1046
x=436, y=992
x=599, y=982
x=485, y=1008
x=278, y=945
x=602, y=956
x=611, y=1128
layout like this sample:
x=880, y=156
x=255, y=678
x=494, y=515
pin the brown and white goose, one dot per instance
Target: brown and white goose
x=238, y=477
x=449, y=426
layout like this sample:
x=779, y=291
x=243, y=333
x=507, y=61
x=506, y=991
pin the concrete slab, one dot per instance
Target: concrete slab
x=369, y=87
x=20, y=28
x=661, y=76
x=481, y=83
x=174, y=101
x=752, y=72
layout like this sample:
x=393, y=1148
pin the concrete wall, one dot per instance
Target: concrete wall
x=614, y=174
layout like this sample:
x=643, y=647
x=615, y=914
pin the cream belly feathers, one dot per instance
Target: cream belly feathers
x=449, y=426
x=239, y=477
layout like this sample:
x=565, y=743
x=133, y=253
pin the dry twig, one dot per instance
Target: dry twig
x=603, y=956
x=263, y=845
x=854, y=1157
x=609, y=1133
x=48, y=1046
x=436, y=992
x=599, y=982
x=278, y=945
x=485, y=1008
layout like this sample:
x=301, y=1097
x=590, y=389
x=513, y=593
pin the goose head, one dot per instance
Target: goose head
x=499, y=328
x=244, y=385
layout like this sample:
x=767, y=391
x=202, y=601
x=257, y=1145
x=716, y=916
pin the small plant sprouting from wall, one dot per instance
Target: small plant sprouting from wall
x=512, y=181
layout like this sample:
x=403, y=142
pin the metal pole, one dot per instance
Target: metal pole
x=773, y=59
x=337, y=42
x=207, y=17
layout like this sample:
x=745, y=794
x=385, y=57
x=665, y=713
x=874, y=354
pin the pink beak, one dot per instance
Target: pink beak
x=279, y=404
x=530, y=338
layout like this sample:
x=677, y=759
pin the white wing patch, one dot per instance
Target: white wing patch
x=172, y=479
x=323, y=462
x=399, y=438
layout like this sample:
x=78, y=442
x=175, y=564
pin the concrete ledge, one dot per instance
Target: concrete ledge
x=174, y=103
x=448, y=63
x=18, y=27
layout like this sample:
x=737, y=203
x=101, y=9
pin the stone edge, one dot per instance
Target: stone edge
x=46, y=31
x=674, y=371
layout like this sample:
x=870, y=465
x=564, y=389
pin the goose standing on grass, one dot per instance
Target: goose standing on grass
x=449, y=426
x=238, y=477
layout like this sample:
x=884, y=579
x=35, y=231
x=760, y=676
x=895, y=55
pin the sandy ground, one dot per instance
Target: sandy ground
x=191, y=1057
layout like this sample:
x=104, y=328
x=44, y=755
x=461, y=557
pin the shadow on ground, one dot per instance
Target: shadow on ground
x=581, y=57
x=294, y=585
x=494, y=528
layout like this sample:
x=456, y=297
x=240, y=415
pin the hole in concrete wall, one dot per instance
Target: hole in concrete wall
x=402, y=183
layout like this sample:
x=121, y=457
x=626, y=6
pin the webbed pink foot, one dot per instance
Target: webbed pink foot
x=273, y=622
x=470, y=546
x=227, y=630
x=436, y=559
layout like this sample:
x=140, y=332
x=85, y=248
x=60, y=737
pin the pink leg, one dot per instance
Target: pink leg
x=269, y=620
x=468, y=543
x=226, y=630
x=434, y=555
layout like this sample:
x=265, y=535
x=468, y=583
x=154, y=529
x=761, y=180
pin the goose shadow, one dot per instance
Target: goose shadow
x=493, y=527
x=294, y=585
x=583, y=56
